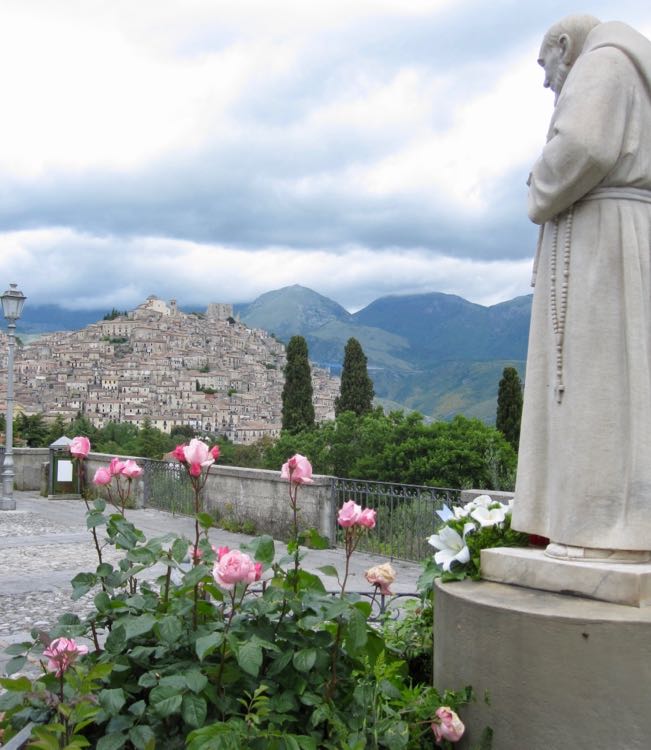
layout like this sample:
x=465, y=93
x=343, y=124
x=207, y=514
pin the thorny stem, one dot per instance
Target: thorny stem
x=223, y=654
x=168, y=577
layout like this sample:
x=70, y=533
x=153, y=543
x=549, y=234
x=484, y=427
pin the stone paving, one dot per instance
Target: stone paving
x=44, y=543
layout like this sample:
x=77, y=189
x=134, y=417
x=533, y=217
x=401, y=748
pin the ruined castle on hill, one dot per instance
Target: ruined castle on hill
x=206, y=370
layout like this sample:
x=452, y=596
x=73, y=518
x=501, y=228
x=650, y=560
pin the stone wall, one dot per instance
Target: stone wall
x=245, y=494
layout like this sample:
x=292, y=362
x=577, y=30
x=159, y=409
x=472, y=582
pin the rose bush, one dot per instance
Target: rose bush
x=204, y=647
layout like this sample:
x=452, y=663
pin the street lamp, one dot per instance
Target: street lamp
x=12, y=306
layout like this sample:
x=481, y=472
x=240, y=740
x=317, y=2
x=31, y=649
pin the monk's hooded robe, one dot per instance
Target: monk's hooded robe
x=584, y=468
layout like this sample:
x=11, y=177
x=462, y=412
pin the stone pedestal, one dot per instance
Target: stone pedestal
x=609, y=582
x=558, y=670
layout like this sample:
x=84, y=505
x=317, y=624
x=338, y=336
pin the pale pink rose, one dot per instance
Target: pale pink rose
x=215, y=452
x=131, y=469
x=381, y=576
x=61, y=653
x=349, y=514
x=298, y=470
x=195, y=470
x=197, y=452
x=234, y=567
x=447, y=725
x=221, y=551
x=102, y=476
x=367, y=518
x=179, y=453
x=80, y=446
x=116, y=466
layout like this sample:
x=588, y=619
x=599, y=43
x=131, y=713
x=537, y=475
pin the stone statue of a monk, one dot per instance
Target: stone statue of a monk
x=584, y=470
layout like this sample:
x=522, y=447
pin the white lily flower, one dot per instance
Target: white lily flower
x=489, y=516
x=451, y=545
x=461, y=512
x=445, y=514
x=483, y=501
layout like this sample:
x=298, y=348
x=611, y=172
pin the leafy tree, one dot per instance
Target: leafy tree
x=356, y=392
x=114, y=314
x=81, y=425
x=298, y=409
x=32, y=429
x=152, y=442
x=509, y=406
x=182, y=433
x=58, y=428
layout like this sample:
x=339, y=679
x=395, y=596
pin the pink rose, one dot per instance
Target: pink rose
x=80, y=447
x=197, y=553
x=197, y=452
x=116, y=466
x=215, y=452
x=234, y=567
x=349, y=514
x=367, y=518
x=131, y=469
x=381, y=576
x=195, y=470
x=221, y=551
x=298, y=470
x=61, y=653
x=258, y=571
x=447, y=725
x=102, y=476
x=179, y=453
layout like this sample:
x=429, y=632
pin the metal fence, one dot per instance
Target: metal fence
x=406, y=515
x=167, y=487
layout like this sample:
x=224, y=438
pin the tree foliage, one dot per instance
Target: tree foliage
x=298, y=409
x=402, y=448
x=356, y=392
x=509, y=406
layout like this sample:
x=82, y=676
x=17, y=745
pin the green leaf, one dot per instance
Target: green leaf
x=148, y=679
x=113, y=741
x=355, y=632
x=13, y=665
x=310, y=582
x=304, y=659
x=175, y=681
x=105, y=569
x=329, y=570
x=17, y=685
x=396, y=735
x=206, y=521
x=82, y=583
x=169, y=629
x=99, y=504
x=194, y=575
x=194, y=710
x=262, y=548
x=180, y=549
x=95, y=519
x=117, y=640
x=10, y=700
x=102, y=601
x=112, y=700
x=18, y=648
x=165, y=700
x=207, y=644
x=195, y=680
x=249, y=657
x=141, y=736
x=279, y=663
x=137, y=709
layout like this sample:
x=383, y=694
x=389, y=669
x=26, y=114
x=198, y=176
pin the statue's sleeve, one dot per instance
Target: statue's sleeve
x=586, y=133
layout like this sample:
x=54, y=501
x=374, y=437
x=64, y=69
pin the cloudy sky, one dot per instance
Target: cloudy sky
x=212, y=150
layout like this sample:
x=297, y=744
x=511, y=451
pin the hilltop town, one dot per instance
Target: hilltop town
x=206, y=370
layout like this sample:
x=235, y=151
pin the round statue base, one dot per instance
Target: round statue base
x=548, y=670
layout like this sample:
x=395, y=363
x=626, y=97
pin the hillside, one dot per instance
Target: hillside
x=436, y=353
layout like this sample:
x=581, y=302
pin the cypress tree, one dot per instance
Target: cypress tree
x=356, y=392
x=298, y=409
x=509, y=406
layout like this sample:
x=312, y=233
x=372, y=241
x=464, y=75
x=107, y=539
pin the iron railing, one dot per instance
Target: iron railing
x=167, y=487
x=406, y=515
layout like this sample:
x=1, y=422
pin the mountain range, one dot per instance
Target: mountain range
x=435, y=353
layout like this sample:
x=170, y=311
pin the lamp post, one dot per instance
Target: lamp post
x=12, y=306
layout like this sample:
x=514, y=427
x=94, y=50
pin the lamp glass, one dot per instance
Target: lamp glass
x=12, y=303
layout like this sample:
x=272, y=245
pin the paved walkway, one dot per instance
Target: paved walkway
x=44, y=543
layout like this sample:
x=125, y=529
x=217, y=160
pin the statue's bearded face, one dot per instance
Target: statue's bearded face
x=552, y=58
